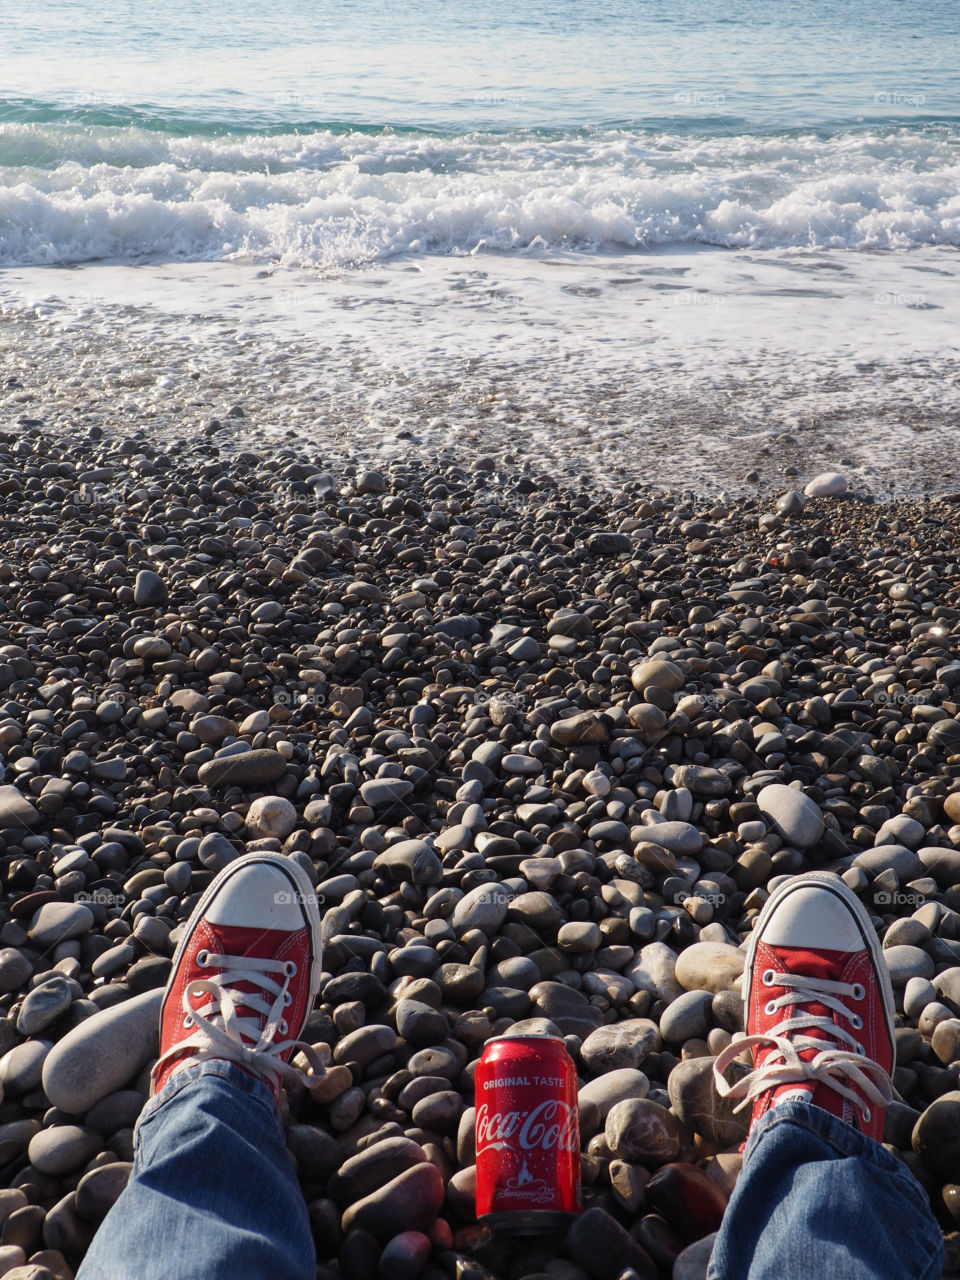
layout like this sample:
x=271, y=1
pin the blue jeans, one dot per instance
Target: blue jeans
x=819, y=1201
x=212, y=1195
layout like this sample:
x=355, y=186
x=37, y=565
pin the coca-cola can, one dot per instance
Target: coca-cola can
x=528, y=1135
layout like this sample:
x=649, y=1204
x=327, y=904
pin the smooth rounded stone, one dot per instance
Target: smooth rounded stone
x=118, y=1110
x=605, y=1250
x=216, y=851
x=917, y=994
x=405, y=1256
x=57, y=922
x=654, y=970
x=619, y=1045
x=257, y=768
x=506, y=1002
x=537, y=909
x=596, y=783
x=15, y=969
x=149, y=589
x=688, y=1018
x=936, y=1137
x=360, y=1175
x=533, y=1027
x=942, y=864
x=709, y=966
x=14, y=1139
x=677, y=837
x=21, y=1066
x=316, y=1151
x=658, y=672
x=43, y=1005
x=904, y=963
x=642, y=1130
x=439, y=1111
x=99, y=1190
x=380, y=792
x=539, y=872
x=460, y=983
x=366, y=1044
x=932, y=1016
x=411, y=860
x=907, y=931
x=900, y=829
x=790, y=503
x=13, y=1260
x=211, y=730
x=695, y=1100
x=945, y=1040
x=16, y=810
x=596, y=1098
x=796, y=817
x=690, y=1200
x=586, y=727
x=903, y=862
x=579, y=936
x=568, y=1009
x=271, y=816
x=483, y=908
x=828, y=484
x=61, y=1149
x=101, y=1054
x=694, y=1261
x=419, y=1024
x=519, y=972
x=409, y=1202
x=947, y=985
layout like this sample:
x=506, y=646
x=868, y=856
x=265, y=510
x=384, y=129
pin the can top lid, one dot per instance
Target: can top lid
x=526, y=1035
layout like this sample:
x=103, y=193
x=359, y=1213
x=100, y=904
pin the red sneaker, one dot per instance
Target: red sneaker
x=818, y=1007
x=245, y=974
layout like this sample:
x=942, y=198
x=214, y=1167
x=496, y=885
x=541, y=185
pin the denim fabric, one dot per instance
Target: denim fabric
x=212, y=1195
x=817, y=1200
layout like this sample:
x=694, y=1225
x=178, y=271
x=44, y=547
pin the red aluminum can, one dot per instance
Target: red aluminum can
x=528, y=1135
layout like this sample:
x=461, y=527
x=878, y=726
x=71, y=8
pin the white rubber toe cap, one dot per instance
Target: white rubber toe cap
x=258, y=896
x=813, y=918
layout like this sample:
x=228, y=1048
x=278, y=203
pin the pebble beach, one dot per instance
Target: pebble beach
x=543, y=750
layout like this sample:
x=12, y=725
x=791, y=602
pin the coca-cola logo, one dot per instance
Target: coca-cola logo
x=552, y=1125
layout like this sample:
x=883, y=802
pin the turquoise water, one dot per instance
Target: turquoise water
x=331, y=135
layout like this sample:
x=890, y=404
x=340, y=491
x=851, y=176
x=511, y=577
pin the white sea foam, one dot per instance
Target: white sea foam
x=334, y=200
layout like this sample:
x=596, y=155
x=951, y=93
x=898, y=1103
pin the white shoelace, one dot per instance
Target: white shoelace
x=220, y=1033
x=837, y=1068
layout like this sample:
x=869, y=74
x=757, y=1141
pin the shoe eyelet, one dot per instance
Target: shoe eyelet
x=768, y=977
x=770, y=1008
x=290, y=969
x=859, y=991
x=867, y=1115
x=856, y=1021
x=283, y=1028
x=202, y=958
x=861, y=1051
x=188, y=1020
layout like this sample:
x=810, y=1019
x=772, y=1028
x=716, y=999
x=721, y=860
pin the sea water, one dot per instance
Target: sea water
x=694, y=193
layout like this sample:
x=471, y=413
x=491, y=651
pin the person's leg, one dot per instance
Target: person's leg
x=818, y=1199
x=212, y=1194
x=818, y=1195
